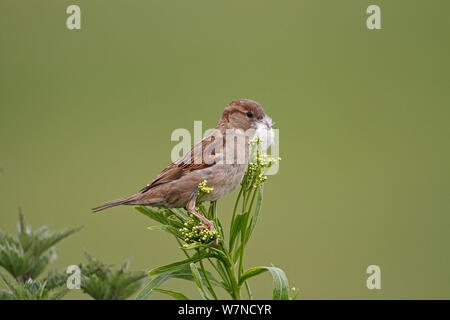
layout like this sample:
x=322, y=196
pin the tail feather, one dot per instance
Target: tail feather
x=114, y=203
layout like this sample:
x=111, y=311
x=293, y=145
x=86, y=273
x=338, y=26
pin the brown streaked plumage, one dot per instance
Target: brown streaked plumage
x=177, y=185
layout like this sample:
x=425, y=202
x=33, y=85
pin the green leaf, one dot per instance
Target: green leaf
x=57, y=293
x=199, y=282
x=186, y=274
x=255, y=215
x=170, y=229
x=280, y=281
x=236, y=227
x=48, y=240
x=26, y=255
x=252, y=272
x=176, y=265
x=102, y=283
x=197, y=245
x=175, y=222
x=24, y=232
x=182, y=272
x=56, y=278
x=6, y=295
x=42, y=262
x=181, y=214
x=155, y=282
x=203, y=210
x=152, y=213
x=173, y=294
x=237, y=252
x=11, y=283
x=14, y=259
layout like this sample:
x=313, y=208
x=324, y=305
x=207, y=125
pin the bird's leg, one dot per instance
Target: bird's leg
x=190, y=207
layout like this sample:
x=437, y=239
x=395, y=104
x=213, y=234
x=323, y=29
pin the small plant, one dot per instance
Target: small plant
x=27, y=254
x=31, y=289
x=102, y=283
x=203, y=247
x=23, y=258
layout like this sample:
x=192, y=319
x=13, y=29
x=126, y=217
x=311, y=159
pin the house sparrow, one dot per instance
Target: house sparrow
x=221, y=158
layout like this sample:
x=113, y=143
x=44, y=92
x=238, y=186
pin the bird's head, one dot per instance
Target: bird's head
x=248, y=115
x=245, y=114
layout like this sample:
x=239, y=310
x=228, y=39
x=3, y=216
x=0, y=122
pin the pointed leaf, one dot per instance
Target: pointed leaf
x=236, y=227
x=11, y=283
x=155, y=282
x=176, y=265
x=152, y=213
x=170, y=229
x=6, y=295
x=199, y=282
x=57, y=293
x=280, y=281
x=255, y=216
x=173, y=294
x=51, y=239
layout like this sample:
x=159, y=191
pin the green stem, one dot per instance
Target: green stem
x=237, y=203
x=234, y=284
x=249, y=292
x=184, y=251
x=234, y=213
x=210, y=287
x=221, y=272
x=243, y=242
x=228, y=265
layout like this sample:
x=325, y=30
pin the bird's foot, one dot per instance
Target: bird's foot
x=208, y=225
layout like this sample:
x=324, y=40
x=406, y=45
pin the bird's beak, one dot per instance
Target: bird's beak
x=267, y=121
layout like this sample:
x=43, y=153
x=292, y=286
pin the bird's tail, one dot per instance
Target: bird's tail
x=114, y=203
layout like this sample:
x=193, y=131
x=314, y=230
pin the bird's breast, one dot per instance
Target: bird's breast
x=224, y=179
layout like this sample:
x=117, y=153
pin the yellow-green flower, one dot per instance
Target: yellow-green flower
x=193, y=233
x=258, y=163
x=203, y=188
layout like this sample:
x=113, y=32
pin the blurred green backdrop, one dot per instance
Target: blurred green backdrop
x=86, y=117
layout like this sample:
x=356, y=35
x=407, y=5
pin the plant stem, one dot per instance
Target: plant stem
x=221, y=272
x=180, y=244
x=228, y=265
x=235, y=286
x=210, y=287
x=249, y=292
x=244, y=242
x=236, y=203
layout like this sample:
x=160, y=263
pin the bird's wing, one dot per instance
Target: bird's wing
x=199, y=157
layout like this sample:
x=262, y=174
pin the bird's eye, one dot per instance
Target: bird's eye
x=249, y=114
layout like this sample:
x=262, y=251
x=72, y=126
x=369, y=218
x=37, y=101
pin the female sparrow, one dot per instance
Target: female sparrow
x=221, y=158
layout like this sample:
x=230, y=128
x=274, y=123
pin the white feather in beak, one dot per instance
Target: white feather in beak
x=265, y=132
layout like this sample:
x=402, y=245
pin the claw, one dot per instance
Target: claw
x=208, y=225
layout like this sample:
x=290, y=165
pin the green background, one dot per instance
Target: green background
x=86, y=116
